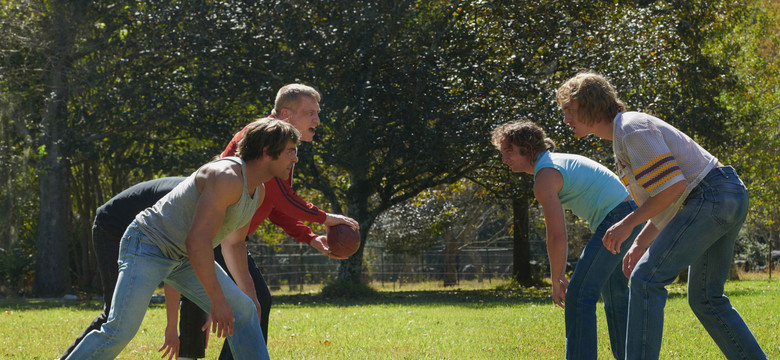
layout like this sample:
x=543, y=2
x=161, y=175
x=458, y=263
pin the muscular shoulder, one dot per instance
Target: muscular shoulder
x=222, y=178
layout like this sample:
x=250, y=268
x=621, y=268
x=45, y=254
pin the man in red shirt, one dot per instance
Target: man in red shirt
x=299, y=105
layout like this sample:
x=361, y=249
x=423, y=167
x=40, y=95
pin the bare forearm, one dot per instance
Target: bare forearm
x=202, y=260
x=557, y=251
x=646, y=237
x=235, y=255
x=172, y=297
x=655, y=205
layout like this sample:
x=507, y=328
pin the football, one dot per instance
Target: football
x=343, y=240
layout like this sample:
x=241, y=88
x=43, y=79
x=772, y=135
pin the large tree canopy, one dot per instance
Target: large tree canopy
x=98, y=96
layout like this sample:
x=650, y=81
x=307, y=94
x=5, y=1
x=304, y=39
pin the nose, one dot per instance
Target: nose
x=295, y=157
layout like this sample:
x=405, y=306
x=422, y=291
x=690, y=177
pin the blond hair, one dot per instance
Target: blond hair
x=289, y=97
x=595, y=96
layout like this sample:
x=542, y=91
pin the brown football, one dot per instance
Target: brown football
x=343, y=240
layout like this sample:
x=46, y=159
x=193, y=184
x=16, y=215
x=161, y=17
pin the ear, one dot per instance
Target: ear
x=284, y=113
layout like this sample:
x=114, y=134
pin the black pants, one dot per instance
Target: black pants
x=189, y=330
x=106, y=247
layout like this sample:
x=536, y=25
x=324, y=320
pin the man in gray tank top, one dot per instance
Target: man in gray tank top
x=173, y=242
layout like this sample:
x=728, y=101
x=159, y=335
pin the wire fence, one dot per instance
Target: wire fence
x=297, y=265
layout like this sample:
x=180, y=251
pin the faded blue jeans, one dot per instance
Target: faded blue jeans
x=599, y=272
x=142, y=267
x=701, y=237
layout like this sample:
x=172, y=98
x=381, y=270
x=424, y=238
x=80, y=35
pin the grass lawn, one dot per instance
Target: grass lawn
x=402, y=324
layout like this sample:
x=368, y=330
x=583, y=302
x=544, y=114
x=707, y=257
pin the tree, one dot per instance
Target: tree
x=458, y=215
x=122, y=86
x=401, y=96
x=48, y=59
x=750, y=49
x=131, y=90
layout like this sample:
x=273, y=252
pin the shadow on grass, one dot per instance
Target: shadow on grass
x=467, y=298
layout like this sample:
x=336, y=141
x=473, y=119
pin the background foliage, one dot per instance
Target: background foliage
x=97, y=96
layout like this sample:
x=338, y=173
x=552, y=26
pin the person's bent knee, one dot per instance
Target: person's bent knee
x=116, y=337
x=243, y=307
x=582, y=295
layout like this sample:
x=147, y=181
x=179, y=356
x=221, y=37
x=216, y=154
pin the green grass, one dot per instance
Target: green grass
x=405, y=324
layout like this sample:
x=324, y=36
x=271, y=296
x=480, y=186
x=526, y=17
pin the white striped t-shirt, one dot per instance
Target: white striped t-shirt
x=651, y=155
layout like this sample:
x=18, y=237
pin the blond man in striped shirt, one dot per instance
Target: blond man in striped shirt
x=695, y=207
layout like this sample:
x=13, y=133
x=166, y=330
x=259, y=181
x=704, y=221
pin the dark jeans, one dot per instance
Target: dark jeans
x=106, y=247
x=192, y=329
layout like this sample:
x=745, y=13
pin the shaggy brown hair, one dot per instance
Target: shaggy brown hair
x=266, y=133
x=595, y=96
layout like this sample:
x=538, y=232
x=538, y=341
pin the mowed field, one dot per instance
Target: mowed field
x=402, y=324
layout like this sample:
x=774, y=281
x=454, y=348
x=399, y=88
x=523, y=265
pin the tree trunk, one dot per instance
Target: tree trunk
x=52, y=277
x=450, y=261
x=351, y=269
x=521, y=252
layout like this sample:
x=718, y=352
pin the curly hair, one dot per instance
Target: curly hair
x=526, y=135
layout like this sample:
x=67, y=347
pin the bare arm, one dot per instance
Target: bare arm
x=547, y=184
x=235, y=253
x=219, y=188
x=621, y=230
x=171, y=344
x=643, y=240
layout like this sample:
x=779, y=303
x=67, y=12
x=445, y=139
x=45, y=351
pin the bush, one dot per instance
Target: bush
x=341, y=289
x=16, y=271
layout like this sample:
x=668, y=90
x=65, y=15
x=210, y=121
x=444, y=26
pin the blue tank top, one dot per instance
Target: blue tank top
x=589, y=190
x=168, y=222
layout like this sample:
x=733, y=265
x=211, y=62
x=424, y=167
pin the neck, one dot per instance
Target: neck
x=603, y=129
x=256, y=174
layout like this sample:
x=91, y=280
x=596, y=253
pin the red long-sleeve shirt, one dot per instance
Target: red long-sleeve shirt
x=282, y=205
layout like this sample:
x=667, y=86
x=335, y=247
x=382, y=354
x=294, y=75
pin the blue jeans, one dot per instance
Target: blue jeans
x=701, y=237
x=142, y=267
x=599, y=272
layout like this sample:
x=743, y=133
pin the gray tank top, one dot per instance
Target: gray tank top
x=168, y=222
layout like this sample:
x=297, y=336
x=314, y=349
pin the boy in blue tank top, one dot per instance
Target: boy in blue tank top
x=173, y=242
x=595, y=194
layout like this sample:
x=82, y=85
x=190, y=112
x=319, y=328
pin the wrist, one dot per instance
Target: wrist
x=641, y=244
